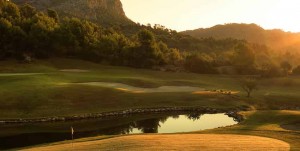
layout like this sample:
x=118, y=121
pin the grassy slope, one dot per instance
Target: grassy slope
x=46, y=94
x=205, y=142
x=268, y=124
x=258, y=123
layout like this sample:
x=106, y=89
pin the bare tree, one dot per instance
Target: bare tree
x=249, y=85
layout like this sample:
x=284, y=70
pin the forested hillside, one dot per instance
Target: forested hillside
x=276, y=39
x=28, y=34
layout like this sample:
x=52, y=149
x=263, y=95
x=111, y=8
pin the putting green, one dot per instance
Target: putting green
x=190, y=142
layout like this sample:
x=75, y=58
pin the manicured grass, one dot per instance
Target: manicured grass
x=267, y=124
x=187, y=142
x=40, y=95
x=257, y=123
x=48, y=94
x=31, y=96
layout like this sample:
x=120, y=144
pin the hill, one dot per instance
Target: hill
x=110, y=14
x=43, y=35
x=105, y=12
x=276, y=39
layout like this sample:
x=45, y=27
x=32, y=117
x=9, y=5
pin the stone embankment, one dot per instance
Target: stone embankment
x=230, y=112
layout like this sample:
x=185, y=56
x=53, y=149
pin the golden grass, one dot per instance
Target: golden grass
x=215, y=142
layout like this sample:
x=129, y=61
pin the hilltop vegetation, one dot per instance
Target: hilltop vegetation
x=53, y=55
x=28, y=33
x=282, y=43
x=253, y=33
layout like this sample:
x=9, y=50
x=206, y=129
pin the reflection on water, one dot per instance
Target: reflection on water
x=12, y=136
x=182, y=123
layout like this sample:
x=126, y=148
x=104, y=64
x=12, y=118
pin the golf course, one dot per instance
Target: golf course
x=159, y=75
x=69, y=87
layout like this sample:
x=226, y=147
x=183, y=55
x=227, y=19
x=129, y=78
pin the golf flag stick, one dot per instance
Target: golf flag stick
x=72, y=133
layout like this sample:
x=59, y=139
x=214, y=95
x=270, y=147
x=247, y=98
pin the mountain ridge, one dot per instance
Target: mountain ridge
x=104, y=12
x=253, y=33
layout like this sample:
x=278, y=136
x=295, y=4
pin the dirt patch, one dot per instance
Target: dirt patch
x=74, y=70
x=190, y=142
x=292, y=127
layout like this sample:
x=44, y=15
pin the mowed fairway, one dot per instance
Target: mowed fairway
x=54, y=88
x=63, y=88
x=177, y=142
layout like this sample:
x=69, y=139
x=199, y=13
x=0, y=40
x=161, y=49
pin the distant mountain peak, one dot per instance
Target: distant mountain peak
x=253, y=33
x=106, y=12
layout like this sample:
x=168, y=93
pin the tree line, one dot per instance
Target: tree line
x=27, y=33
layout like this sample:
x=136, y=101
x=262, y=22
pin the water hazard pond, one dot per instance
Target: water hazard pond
x=22, y=135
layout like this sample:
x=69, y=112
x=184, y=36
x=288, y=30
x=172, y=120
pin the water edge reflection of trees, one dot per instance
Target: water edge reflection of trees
x=151, y=125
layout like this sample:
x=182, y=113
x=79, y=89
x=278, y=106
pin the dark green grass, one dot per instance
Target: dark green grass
x=47, y=94
x=268, y=124
x=258, y=123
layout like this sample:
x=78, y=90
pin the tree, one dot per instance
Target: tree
x=296, y=71
x=249, y=85
x=27, y=11
x=5, y=42
x=286, y=66
x=53, y=14
x=9, y=10
x=244, y=58
x=146, y=37
x=270, y=70
x=200, y=63
x=78, y=36
x=147, y=52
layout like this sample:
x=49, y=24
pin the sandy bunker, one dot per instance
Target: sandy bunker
x=133, y=89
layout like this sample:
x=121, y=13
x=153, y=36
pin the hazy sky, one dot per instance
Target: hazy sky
x=191, y=14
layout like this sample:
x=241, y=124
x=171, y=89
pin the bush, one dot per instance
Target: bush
x=296, y=71
x=200, y=63
x=270, y=70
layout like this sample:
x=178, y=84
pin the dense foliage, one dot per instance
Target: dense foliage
x=27, y=33
x=296, y=71
x=284, y=45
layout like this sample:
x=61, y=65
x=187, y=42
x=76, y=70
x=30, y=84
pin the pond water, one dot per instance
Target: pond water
x=22, y=135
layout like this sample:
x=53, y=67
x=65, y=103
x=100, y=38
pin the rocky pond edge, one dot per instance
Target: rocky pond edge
x=231, y=112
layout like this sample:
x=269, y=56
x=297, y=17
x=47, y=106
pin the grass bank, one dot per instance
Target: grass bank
x=40, y=90
x=267, y=124
x=44, y=93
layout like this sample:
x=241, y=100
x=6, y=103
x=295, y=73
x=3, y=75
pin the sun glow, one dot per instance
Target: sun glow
x=192, y=14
